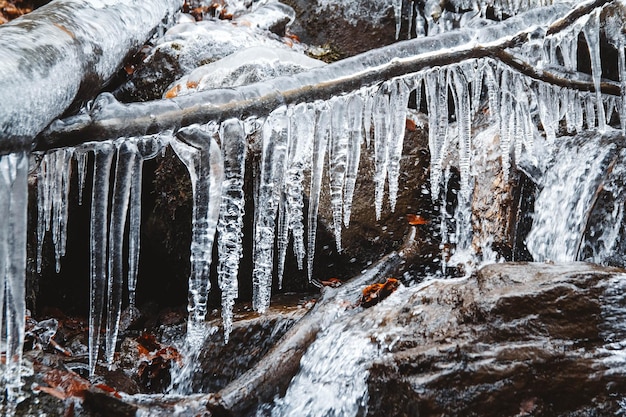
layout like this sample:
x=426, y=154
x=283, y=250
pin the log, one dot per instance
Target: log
x=110, y=119
x=66, y=51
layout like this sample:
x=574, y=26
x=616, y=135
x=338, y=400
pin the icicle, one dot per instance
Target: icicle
x=464, y=126
x=397, y=10
x=590, y=111
x=592, y=35
x=506, y=120
x=410, y=19
x=147, y=147
x=134, y=222
x=398, y=99
x=322, y=133
x=437, y=98
x=368, y=103
x=59, y=196
x=355, y=114
x=103, y=156
x=545, y=114
x=44, y=204
x=477, y=85
x=492, y=76
x=337, y=162
x=230, y=225
x=203, y=158
x=301, y=133
x=13, y=228
x=81, y=169
x=127, y=154
x=275, y=133
x=382, y=122
x=610, y=108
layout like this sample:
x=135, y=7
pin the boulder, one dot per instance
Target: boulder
x=512, y=339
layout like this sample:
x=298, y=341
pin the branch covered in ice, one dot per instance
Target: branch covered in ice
x=111, y=119
x=580, y=10
x=577, y=81
x=58, y=54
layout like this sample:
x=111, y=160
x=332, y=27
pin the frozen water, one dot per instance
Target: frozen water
x=230, y=225
x=275, y=140
x=203, y=158
x=103, y=157
x=13, y=204
x=246, y=66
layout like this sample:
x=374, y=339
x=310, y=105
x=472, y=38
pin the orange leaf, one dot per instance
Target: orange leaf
x=416, y=219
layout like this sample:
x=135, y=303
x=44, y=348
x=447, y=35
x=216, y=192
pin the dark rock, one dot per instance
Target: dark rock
x=348, y=28
x=252, y=337
x=513, y=339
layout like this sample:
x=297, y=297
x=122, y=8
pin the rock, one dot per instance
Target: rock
x=251, y=338
x=513, y=339
x=341, y=26
x=186, y=46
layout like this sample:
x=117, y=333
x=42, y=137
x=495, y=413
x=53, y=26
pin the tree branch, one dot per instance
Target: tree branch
x=569, y=80
x=576, y=13
x=110, y=119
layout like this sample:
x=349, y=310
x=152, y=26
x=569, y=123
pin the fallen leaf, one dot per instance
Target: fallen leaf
x=416, y=219
x=373, y=294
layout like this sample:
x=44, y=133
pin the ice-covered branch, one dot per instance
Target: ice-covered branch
x=111, y=119
x=64, y=51
x=574, y=81
x=580, y=10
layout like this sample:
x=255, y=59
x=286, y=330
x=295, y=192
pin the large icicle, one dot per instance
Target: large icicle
x=230, y=225
x=437, y=99
x=382, y=122
x=464, y=126
x=13, y=215
x=60, y=195
x=148, y=147
x=127, y=156
x=301, y=133
x=592, y=35
x=355, y=121
x=103, y=157
x=322, y=133
x=338, y=162
x=44, y=204
x=275, y=134
x=203, y=158
x=398, y=98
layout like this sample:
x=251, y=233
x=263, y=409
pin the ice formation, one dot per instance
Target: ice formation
x=298, y=139
x=14, y=191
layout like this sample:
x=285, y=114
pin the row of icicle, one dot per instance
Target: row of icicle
x=300, y=141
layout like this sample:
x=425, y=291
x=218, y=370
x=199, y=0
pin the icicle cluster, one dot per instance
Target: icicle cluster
x=299, y=141
x=106, y=237
x=429, y=17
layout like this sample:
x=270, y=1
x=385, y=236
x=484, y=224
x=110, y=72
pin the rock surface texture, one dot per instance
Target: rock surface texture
x=512, y=340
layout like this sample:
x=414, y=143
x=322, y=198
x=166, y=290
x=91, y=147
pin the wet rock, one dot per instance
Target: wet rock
x=513, y=339
x=347, y=27
x=251, y=338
